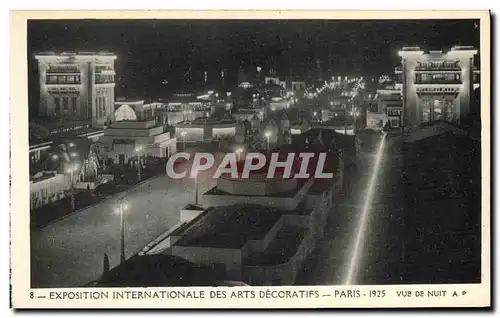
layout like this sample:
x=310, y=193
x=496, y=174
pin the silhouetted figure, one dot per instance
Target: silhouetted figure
x=106, y=264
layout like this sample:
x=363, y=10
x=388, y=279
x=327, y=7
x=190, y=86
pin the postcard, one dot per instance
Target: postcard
x=250, y=159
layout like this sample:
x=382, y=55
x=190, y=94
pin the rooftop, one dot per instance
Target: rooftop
x=230, y=226
x=75, y=54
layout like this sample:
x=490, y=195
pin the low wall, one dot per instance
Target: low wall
x=253, y=247
x=287, y=203
x=281, y=274
x=187, y=214
x=260, y=187
x=162, y=242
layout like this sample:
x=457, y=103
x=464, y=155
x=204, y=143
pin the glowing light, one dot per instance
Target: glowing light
x=267, y=134
x=183, y=133
x=361, y=229
x=55, y=157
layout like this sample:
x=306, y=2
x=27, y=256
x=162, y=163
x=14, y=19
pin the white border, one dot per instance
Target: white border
x=404, y=14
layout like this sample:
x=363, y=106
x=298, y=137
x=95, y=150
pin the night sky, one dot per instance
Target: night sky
x=150, y=51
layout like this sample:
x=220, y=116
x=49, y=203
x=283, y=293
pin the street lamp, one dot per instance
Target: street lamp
x=122, y=207
x=138, y=150
x=196, y=187
x=71, y=171
x=183, y=134
x=238, y=152
x=267, y=134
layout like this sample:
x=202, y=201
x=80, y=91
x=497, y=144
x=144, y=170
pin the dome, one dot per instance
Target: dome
x=125, y=112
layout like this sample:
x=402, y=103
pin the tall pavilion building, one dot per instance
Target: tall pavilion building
x=77, y=86
x=436, y=85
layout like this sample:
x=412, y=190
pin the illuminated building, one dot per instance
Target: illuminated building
x=78, y=86
x=46, y=187
x=259, y=229
x=389, y=109
x=436, y=85
x=187, y=106
x=128, y=133
x=206, y=129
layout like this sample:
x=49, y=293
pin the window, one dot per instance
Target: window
x=62, y=79
x=57, y=103
x=426, y=110
x=70, y=79
x=65, y=103
x=73, y=103
x=438, y=109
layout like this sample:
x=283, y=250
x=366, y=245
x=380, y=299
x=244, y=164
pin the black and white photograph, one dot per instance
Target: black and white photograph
x=255, y=152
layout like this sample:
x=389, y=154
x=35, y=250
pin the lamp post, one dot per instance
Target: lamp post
x=345, y=121
x=267, y=134
x=196, y=188
x=122, y=206
x=138, y=150
x=183, y=134
x=71, y=171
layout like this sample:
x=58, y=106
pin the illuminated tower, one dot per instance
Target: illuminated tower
x=77, y=86
x=436, y=85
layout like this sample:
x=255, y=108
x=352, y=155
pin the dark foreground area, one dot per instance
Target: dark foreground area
x=442, y=219
x=424, y=224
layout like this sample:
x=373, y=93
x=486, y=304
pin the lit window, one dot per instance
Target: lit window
x=73, y=103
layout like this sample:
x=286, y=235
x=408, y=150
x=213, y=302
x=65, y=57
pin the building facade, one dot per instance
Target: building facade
x=78, y=86
x=122, y=140
x=436, y=85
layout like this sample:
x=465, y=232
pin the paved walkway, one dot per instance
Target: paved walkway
x=70, y=252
